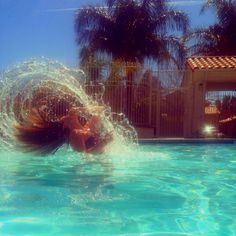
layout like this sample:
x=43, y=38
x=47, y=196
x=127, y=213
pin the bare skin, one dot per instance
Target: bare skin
x=79, y=133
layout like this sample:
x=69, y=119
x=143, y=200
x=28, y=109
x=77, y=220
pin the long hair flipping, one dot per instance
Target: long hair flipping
x=40, y=136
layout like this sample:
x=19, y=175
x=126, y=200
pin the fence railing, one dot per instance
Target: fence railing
x=136, y=101
x=146, y=104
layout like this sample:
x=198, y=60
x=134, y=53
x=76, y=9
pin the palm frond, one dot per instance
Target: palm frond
x=212, y=3
x=131, y=30
x=173, y=20
x=220, y=38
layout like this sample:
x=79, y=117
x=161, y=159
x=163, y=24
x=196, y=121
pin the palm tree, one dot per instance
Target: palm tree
x=219, y=39
x=132, y=31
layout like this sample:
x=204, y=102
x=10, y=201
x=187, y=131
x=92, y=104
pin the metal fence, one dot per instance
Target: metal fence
x=172, y=113
x=150, y=99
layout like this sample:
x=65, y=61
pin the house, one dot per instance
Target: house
x=205, y=74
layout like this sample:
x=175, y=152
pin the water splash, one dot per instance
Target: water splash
x=44, y=83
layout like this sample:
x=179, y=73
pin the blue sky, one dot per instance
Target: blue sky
x=33, y=28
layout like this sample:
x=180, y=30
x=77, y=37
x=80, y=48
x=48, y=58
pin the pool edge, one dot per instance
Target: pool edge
x=189, y=141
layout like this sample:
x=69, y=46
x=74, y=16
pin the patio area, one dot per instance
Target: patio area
x=180, y=104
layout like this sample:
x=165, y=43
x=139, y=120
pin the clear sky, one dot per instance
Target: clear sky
x=33, y=28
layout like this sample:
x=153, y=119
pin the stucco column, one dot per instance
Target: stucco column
x=198, y=108
x=188, y=104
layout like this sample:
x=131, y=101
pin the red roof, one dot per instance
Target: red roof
x=212, y=62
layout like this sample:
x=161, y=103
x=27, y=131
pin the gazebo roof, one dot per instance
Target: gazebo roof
x=206, y=63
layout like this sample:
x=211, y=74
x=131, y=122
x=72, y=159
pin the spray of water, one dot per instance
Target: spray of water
x=56, y=88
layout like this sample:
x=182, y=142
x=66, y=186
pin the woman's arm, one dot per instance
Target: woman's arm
x=89, y=109
x=75, y=110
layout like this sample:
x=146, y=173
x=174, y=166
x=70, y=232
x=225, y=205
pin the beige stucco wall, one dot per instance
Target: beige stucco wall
x=197, y=82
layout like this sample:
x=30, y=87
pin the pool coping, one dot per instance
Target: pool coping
x=187, y=140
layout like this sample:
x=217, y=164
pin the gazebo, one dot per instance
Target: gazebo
x=205, y=74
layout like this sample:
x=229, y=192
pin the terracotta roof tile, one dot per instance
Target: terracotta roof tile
x=202, y=63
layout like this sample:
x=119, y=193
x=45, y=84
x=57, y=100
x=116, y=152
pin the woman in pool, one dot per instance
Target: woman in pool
x=39, y=135
x=86, y=136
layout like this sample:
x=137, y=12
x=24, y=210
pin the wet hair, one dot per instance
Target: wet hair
x=40, y=136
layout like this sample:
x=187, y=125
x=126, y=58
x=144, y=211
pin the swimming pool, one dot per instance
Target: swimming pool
x=162, y=189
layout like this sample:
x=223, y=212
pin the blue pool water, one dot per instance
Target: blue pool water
x=167, y=189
